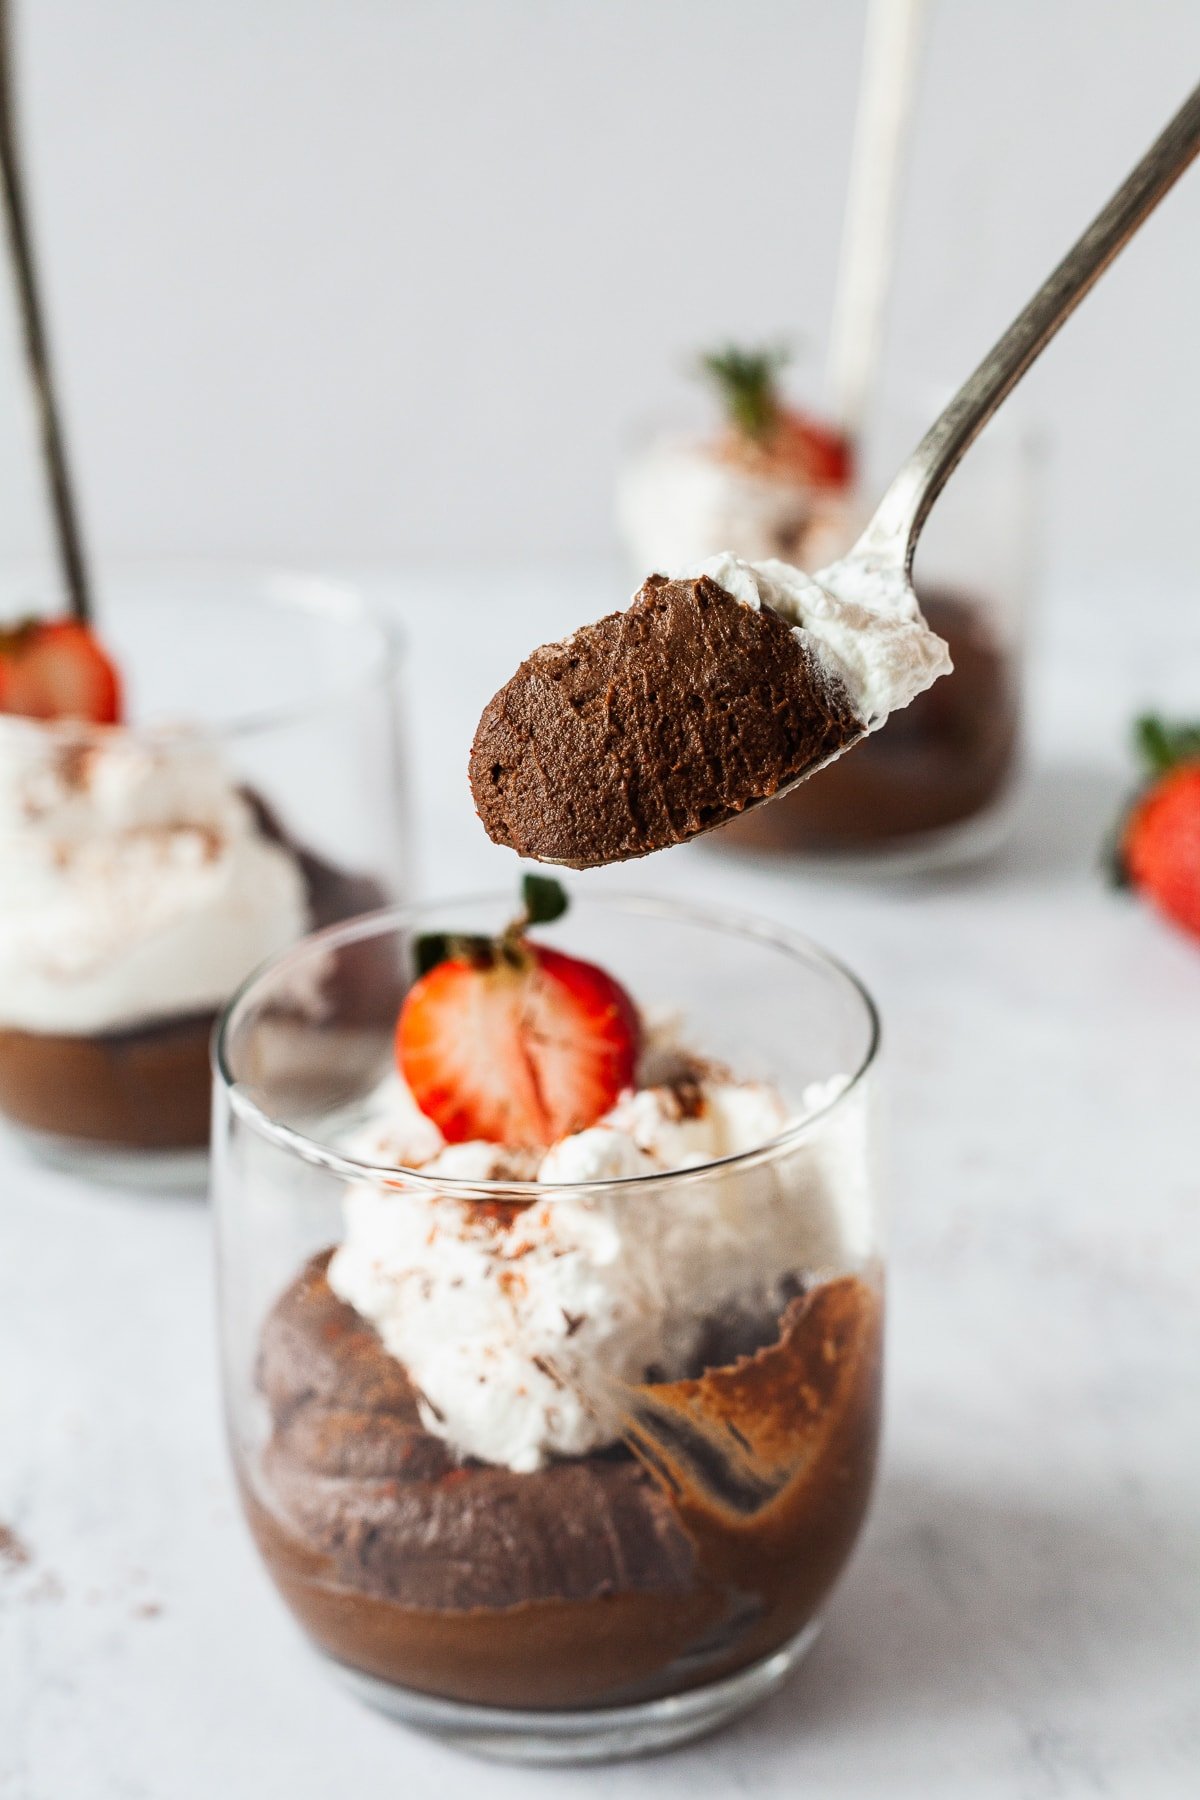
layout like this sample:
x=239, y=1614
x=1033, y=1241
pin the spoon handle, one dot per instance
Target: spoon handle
x=68, y=537
x=891, y=536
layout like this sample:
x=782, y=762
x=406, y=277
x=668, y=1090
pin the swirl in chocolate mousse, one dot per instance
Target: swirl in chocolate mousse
x=704, y=1541
x=674, y=1439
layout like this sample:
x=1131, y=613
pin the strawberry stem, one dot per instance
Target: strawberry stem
x=746, y=383
x=544, y=901
x=448, y=946
x=37, y=350
x=1162, y=746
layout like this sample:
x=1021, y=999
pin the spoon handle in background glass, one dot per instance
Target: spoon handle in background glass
x=891, y=536
x=68, y=537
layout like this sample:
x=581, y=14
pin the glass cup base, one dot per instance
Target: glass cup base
x=942, y=851
x=599, y=1734
x=182, y=1172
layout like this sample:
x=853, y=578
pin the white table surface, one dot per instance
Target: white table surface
x=1023, y=1616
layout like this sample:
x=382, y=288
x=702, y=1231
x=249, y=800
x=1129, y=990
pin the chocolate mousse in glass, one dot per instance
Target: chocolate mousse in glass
x=939, y=786
x=555, y=1440
x=250, y=792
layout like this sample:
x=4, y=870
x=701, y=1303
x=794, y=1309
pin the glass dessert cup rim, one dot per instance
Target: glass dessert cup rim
x=272, y=587
x=731, y=921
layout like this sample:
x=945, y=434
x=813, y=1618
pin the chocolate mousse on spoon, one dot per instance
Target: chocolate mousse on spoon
x=725, y=685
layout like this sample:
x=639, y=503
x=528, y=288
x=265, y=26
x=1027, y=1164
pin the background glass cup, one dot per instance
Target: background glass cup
x=271, y=694
x=669, y=1577
x=940, y=785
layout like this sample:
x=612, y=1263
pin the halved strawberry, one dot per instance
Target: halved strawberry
x=55, y=669
x=766, y=432
x=515, y=1043
x=821, y=452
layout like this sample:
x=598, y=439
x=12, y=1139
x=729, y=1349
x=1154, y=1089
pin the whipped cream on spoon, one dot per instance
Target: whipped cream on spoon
x=725, y=687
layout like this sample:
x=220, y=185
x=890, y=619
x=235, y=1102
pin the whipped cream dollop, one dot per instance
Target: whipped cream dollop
x=521, y=1328
x=680, y=498
x=136, y=882
x=677, y=500
x=861, y=624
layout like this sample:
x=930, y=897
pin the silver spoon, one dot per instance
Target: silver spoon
x=591, y=805
x=890, y=539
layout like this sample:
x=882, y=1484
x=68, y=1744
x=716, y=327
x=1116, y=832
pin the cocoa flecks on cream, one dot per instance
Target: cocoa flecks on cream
x=148, y=1086
x=652, y=725
x=14, y=1551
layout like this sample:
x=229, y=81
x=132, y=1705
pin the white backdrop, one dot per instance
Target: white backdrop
x=359, y=278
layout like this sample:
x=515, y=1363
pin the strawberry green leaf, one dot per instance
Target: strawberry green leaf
x=447, y=946
x=545, y=899
x=1162, y=746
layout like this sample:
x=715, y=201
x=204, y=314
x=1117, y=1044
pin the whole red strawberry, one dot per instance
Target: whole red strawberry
x=506, y=1040
x=1159, y=850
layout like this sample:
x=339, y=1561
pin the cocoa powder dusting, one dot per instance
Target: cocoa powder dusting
x=14, y=1551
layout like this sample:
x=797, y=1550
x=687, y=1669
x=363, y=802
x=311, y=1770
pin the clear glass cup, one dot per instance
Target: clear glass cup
x=940, y=785
x=255, y=791
x=674, y=1572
